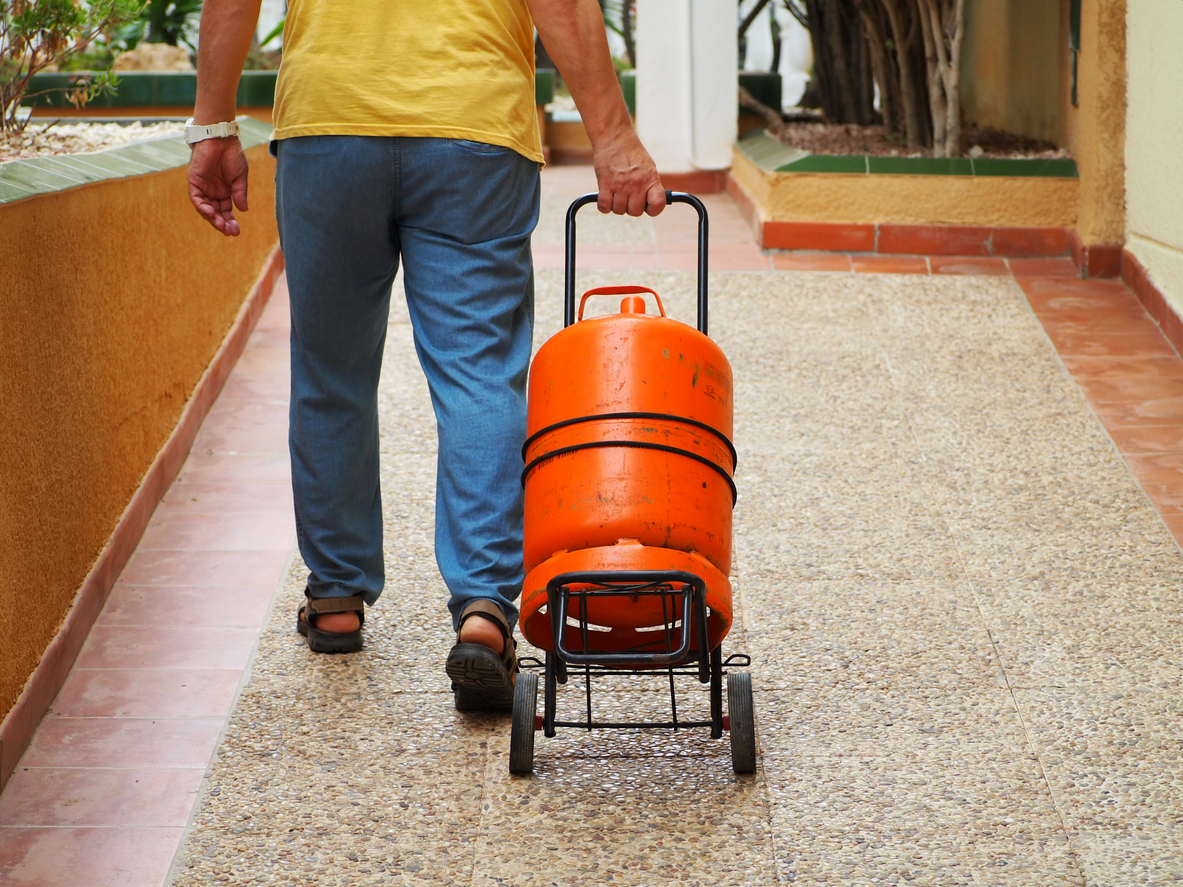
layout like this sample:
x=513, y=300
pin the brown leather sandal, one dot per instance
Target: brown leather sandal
x=482, y=679
x=330, y=641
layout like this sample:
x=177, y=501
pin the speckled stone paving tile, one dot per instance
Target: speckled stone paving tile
x=963, y=615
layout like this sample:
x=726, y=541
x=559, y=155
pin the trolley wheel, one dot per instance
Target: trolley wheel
x=743, y=722
x=521, y=734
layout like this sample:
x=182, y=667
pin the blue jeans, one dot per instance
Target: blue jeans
x=459, y=214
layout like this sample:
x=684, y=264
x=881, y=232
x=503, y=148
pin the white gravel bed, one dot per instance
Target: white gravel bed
x=43, y=139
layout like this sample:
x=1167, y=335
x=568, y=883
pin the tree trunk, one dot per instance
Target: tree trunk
x=956, y=30
x=881, y=64
x=626, y=31
x=913, y=98
x=934, y=47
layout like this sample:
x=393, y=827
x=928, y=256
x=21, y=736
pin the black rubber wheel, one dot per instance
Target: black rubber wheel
x=521, y=734
x=741, y=712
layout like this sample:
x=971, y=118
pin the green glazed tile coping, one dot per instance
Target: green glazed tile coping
x=1063, y=168
x=10, y=191
x=840, y=163
x=772, y=155
x=544, y=86
x=921, y=166
x=20, y=179
x=767, y=152
x=141, y=89
x=70, y=171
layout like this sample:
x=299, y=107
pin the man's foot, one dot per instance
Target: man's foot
x=331, y=625
x=483, y=663
x=481, y=630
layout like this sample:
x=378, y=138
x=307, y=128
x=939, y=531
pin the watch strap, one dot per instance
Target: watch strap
x=200, y=132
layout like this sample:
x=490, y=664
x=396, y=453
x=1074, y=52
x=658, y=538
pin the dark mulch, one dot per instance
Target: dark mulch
x=847, y=138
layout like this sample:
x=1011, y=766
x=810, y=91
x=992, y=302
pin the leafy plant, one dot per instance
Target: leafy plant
x=35, y=34
x=162, y=21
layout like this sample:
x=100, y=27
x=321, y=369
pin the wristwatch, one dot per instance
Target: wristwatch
x=195, y=133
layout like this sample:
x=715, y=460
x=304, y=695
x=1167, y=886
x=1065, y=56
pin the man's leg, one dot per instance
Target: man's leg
x=465, y=221
x=335, y=201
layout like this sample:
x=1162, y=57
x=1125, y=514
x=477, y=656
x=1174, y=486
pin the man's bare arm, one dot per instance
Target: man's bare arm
x=573, y=33
x=218, y=167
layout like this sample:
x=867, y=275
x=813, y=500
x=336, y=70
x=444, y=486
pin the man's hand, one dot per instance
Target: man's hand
x=573, y=33
x=626, y=177
x=217, y=182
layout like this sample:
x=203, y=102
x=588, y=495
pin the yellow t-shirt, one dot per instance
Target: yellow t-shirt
x=459, y=69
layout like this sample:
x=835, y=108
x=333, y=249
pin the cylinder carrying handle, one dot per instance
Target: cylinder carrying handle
x=569, y=315
x=627, y=289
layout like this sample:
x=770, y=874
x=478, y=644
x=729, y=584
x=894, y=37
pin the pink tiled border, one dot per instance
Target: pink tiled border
x=44, y=684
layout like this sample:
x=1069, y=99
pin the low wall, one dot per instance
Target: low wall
x=115, y=298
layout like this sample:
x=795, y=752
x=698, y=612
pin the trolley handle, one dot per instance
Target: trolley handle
x=670, y=197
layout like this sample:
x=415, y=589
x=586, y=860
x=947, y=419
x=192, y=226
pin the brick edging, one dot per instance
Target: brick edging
x=43, y=685
x=1135, y=276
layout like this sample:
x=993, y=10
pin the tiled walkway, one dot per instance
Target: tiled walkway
x=963, y=612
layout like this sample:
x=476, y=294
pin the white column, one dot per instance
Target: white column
x=687, y=82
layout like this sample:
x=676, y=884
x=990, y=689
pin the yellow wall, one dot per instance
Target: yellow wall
x=931, y=200
x=113, y=299
x=1154, y=132
x=1098, y=122
x=1011, y=66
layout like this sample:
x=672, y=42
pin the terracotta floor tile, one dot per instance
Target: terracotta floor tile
x=737, y=257
x=270, y=387
x=1130, y=390
x=1154, y=412
x=175, y=528
x=1040, y=289
x=203, y=568
x=679, y=260
x=1062, y=267
x=99, y=797
x=872, y=264
x=812, y=262
x=968, y=265
x=221, y=498
x=1094, y=343
x=1163, y=495
x=1095, y=323
x=237, y=606
x=277, y=312
x=1152, y=439
x=147, y=693
x=263, y=468
x=264, y=411
x=140, y=646
x=269, y=337
x=87, y=857
x=1139, y=367
x=1174, y=523
x=160, y=743
x=1158, y=468
x=603, y=258
x=218, y=438
x=265, y=361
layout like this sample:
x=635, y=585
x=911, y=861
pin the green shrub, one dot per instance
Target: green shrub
x=37, y=34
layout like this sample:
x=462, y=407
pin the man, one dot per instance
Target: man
x=407, y=131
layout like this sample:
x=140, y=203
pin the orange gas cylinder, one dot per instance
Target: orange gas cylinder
x=629, y=423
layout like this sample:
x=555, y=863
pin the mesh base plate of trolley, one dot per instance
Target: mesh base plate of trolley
x=683, y=598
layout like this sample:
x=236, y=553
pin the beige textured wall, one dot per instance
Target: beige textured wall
x=1098, y=122
x=1154, y=132
x=113, y=299
x=964, y=200
x=1012, y=67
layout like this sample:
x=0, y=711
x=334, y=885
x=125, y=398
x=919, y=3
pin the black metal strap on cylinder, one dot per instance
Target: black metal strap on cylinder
x=670, y=197
x=656, y=417
x=636, y=445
